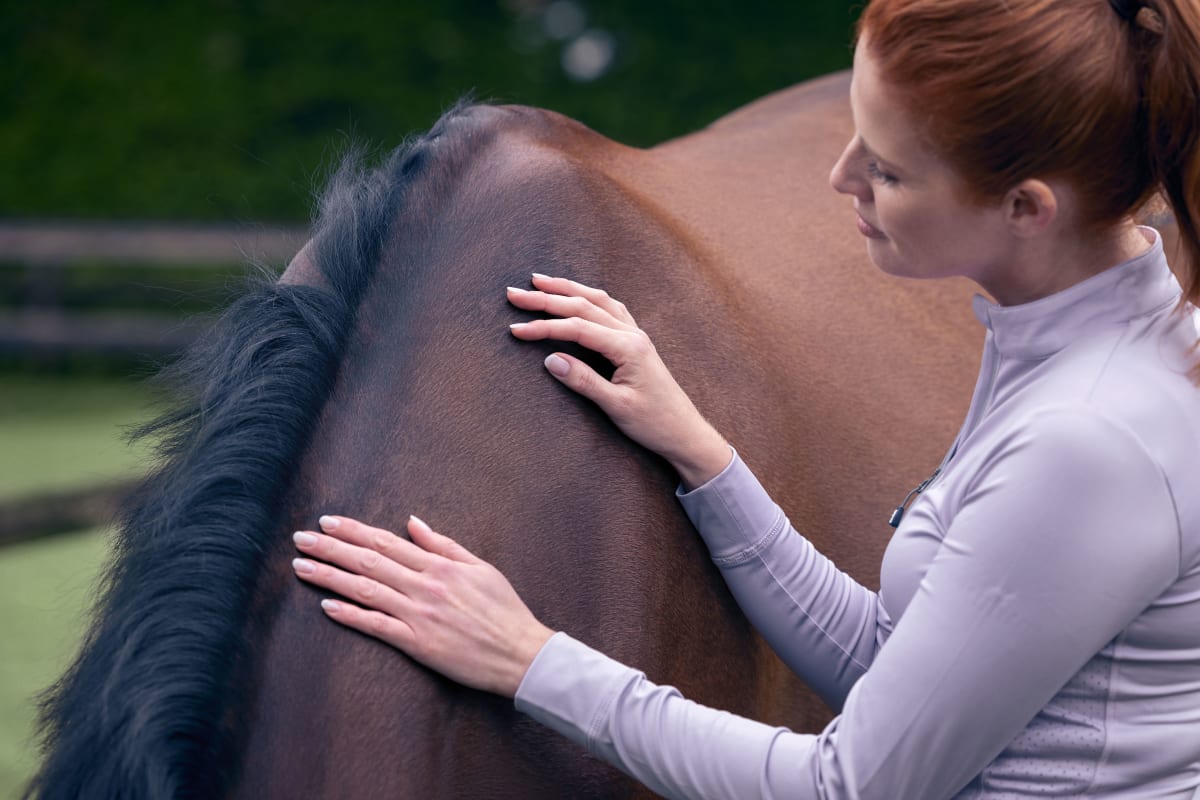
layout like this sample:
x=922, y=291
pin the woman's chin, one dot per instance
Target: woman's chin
x=884, y=258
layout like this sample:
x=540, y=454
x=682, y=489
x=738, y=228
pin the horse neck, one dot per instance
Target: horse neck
x=735, y=267
x=438, y=411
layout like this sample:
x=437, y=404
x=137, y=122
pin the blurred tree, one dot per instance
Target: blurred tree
x=229, y=110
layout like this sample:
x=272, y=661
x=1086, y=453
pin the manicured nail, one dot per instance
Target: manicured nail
x=420, y=523
x=329, y=523
x=515, y=289
x=539, y=275
x=516, y=326
x=558, y=365
x=332, y=606
x=304, y=539
x=304, y=565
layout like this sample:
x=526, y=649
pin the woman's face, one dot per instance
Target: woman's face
x=908, y=199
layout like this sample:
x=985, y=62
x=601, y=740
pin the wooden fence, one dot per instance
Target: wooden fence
x=42, y=251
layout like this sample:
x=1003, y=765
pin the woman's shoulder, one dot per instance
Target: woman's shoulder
x=1146, y=385
x=1135, y=377
x=1134, y=427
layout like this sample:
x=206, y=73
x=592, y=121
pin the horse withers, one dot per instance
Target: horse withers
x=377, y=378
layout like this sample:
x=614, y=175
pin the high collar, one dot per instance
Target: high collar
x=1037, y=329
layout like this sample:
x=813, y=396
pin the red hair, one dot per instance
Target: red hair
x=1106, y=100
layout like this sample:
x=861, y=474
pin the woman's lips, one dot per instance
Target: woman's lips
x=868, y=230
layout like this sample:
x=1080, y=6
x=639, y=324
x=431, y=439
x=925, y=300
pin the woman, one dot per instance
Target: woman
x=1037, y=631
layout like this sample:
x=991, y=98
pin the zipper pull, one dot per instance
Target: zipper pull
x=898, y=514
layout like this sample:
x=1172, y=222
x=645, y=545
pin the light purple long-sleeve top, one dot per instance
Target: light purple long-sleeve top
x=1037, y=630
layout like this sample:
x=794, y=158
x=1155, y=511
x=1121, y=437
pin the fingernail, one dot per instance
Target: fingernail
x=304, y=539
x=539, y=275
x=304, y=565
x=516, y=326
x=332, y=606
x=515, y=289
x=329, y=523
x=420, y=523
x=557, y=365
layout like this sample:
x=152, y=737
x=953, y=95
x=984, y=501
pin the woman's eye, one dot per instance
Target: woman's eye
x=879, y=175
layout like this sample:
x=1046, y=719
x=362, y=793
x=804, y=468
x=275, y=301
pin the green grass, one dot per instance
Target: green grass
x=56, y=432
x=65, y=432
x=45, y=588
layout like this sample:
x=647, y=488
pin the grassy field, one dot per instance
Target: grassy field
x=66, y=432
x=45, y=588
x=55, y=433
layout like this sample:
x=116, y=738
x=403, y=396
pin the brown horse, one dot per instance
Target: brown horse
x=377, y=379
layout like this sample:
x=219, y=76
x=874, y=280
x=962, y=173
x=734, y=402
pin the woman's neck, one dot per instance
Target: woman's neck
x=1047, y=265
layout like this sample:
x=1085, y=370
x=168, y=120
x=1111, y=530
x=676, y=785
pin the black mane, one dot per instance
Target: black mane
x=139, y=712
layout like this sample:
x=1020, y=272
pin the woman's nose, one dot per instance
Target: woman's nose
x=843, y=177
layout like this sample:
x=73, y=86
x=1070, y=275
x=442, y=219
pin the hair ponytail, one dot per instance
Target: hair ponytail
x=1171, y=97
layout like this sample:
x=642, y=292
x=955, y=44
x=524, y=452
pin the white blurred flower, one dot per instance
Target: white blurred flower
x=589, y=56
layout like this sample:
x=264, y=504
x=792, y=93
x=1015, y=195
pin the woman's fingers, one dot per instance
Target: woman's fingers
x=374, y=585
x=581, y=378
x=434, y=542
x=618, y=346
x=458, y=615
x=565, y=306
x=379, y=540
x=369, y=565
x=363, y=563
x=389, y=629
x=598, y=297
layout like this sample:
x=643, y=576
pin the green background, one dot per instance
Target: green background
x=227, y=111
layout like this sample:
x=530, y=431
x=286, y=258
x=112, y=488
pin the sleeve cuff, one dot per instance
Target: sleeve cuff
x=675, y=747
x=570, y=688
x=733, y=513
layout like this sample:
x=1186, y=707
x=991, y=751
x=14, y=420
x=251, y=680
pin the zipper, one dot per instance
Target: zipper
x=979, y=403
x=898, y=513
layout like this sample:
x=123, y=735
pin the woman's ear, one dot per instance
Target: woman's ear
x=1030, y=208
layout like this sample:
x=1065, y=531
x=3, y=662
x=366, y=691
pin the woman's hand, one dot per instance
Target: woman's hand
x=642, y=398
x=429, y=597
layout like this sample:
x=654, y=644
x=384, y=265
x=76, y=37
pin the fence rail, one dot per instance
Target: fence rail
x=49, y=327
x=42, y=325
x=53, y=243
x=48, y=513
x=46, y=333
